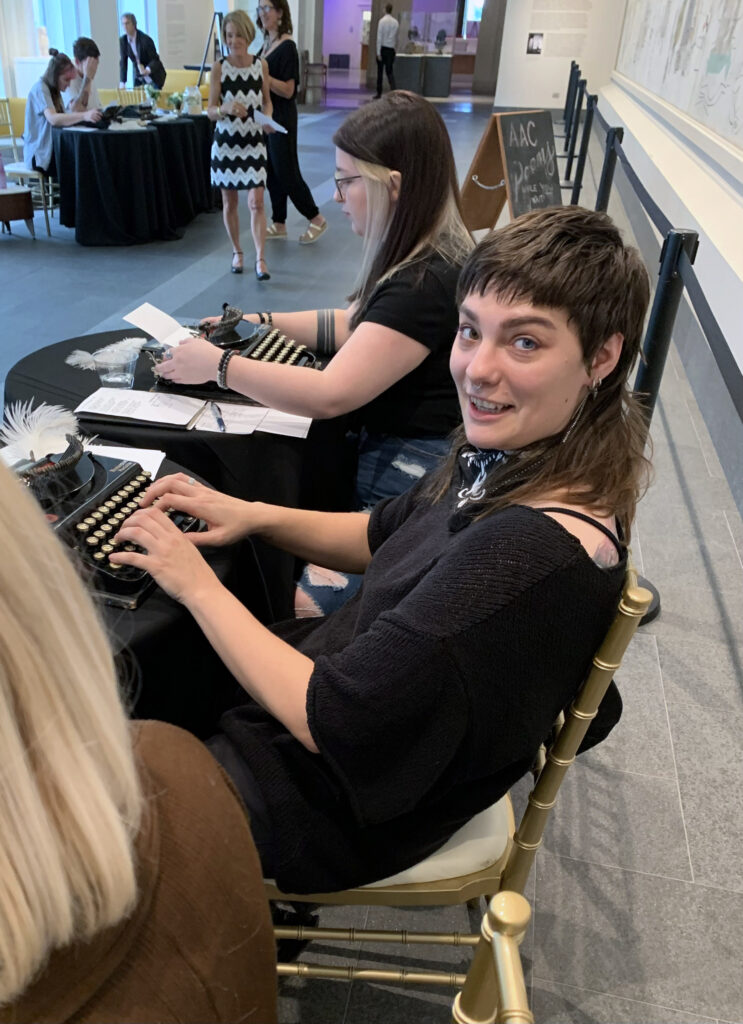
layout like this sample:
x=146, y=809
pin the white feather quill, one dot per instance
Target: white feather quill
x=35, y=432
x=85, y=360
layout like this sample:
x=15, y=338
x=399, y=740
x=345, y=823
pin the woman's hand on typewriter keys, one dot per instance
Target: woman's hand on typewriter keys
x=166, y=553
x=193, y=361
x=227, y=519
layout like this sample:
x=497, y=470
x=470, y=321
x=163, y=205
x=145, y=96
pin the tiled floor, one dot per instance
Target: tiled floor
x=638, y=892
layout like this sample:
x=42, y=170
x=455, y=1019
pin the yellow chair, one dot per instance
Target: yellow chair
x=498, y=968
x=131, y=97
x=7, y=132
x=177, y=79
x=107, y=96
x=18, y=114
x=511, y=856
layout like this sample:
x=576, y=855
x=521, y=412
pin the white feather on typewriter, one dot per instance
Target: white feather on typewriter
x=35, y=432
x=85, y=361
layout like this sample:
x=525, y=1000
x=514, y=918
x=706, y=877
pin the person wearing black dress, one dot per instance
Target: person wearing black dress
x=285, y=179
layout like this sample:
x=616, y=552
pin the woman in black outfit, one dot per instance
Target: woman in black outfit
x=284, y=176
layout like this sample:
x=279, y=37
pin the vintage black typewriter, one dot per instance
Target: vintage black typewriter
x=263, y=342
x=87, y=499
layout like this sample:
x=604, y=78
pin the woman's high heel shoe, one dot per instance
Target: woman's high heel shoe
x=262, y=275
x=237, y=268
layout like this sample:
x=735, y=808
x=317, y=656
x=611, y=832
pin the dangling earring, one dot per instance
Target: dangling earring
x=595, y=385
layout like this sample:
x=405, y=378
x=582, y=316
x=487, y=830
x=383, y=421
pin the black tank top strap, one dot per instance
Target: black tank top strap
x=587, y=519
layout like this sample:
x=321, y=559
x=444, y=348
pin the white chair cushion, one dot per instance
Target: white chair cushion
x=19, y=168
x=476, y=845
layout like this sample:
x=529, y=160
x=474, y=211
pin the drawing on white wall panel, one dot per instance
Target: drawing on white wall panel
x=690, y=53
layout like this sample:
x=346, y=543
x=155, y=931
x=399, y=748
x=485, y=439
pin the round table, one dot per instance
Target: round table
x=312, y=472
x=123, y=187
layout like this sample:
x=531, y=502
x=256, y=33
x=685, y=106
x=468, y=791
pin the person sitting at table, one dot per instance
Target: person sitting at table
x=45, y=109
x=373, y=734
x=140, y=48
x=130, y=889
x=396, y=181
x=82, y=93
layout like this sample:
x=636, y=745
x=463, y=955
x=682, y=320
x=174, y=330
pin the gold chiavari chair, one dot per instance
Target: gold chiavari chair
x=131, y=97
x=512, y=855
x=497, y=966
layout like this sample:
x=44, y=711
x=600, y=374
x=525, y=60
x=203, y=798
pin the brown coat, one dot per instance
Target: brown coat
x=199, y=945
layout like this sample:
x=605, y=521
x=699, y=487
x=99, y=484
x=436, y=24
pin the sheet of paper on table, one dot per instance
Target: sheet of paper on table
x=149, y=459
x=148, y=406
x=238, y=419
x=161, y=326
x=276, y=422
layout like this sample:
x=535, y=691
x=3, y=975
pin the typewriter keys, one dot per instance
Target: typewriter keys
x=82, y=527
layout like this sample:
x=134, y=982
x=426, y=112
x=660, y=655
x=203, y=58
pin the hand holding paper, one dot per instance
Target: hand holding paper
x=261, y=119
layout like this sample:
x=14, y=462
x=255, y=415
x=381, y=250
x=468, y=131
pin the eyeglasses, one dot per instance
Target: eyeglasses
x=264, y=9
x=343, y=181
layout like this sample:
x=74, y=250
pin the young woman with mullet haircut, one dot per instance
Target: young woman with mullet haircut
x=370, y=736
x=121, y=845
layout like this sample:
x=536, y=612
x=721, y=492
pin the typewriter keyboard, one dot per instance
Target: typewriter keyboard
x=94, y=537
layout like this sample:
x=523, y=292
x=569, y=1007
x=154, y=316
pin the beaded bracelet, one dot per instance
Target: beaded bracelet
x=265, y=318
x=224, y=362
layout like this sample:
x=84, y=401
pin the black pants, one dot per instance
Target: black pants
x=384, y=63
x=285, y=178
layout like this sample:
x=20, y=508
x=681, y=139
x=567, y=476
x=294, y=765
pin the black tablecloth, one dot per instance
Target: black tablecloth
x=127, y=187
x=256, y=467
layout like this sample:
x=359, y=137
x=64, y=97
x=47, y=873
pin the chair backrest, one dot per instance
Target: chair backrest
x=131, y=97
x=496, y=972
x=6, y=128
x=569, y=733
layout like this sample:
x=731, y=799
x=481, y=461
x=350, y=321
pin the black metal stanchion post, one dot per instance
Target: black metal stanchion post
x=583, y=152
x=607, y=171
x=569, y=101
x=668, y=294
x=574, y=131
x=571, y=108
x=573, y=66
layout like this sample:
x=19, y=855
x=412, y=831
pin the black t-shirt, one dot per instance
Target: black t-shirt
x=283, y=63
x=420, y=302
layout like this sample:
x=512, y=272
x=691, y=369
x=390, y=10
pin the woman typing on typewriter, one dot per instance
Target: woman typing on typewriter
x=372, y=735
x=396, y=181
x=121, y=846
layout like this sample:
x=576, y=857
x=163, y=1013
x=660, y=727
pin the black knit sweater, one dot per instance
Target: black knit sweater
x=432, y=688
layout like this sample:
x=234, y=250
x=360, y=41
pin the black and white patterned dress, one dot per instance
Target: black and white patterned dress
x=238, y=158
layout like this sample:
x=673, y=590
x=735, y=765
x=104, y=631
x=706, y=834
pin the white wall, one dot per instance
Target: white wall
x=590, y=36
x=182, y=27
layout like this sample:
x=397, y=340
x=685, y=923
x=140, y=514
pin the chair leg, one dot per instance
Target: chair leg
x=31, y=228
x=44, y=208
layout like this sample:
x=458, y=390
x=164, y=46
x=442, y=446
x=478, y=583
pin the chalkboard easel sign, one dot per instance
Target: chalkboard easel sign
x=515, y=160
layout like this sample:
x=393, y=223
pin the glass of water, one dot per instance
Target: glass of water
x=116, y=369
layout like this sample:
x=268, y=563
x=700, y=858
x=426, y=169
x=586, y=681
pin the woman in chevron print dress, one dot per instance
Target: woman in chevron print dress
x=239, y=88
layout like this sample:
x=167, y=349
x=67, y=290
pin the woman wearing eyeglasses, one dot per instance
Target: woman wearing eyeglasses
x=238, y=88
x=396, y=181
x=285, y=179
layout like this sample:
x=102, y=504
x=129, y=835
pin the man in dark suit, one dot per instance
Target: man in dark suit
x=140, y=49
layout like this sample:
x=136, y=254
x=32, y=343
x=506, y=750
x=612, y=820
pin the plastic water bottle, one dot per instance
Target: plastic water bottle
x=3, y=179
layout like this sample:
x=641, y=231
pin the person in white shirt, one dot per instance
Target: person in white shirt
x=82, y=93
x=386, y=47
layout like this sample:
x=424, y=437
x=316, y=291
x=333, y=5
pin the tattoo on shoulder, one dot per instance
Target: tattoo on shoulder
x=605, y=556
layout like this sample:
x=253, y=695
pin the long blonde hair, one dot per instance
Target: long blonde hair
x=70, y=797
